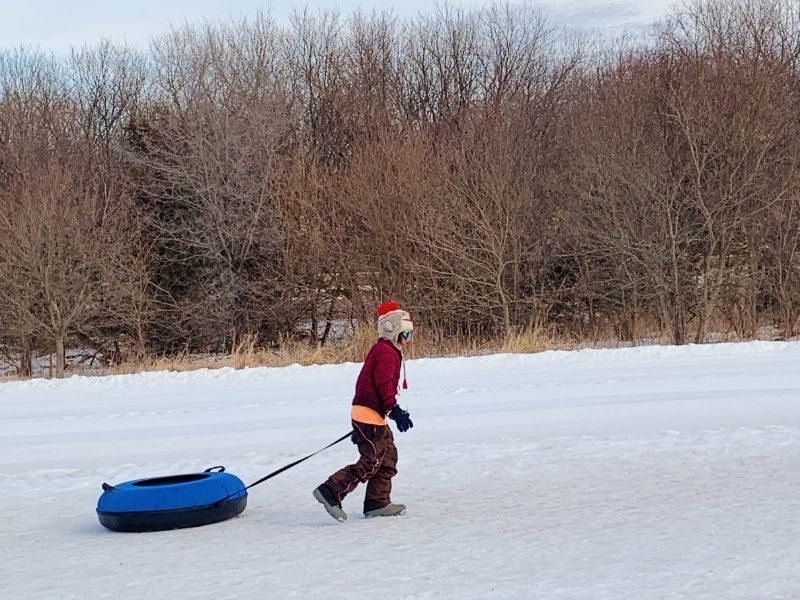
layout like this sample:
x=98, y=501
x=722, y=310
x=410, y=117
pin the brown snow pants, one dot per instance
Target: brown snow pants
x=376, y=466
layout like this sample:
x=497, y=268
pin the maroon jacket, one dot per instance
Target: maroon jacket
x=376, y=386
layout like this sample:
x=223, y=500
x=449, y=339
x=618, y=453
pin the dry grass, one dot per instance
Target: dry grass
x=426, y=344
x=534, y=339
x=246, y=354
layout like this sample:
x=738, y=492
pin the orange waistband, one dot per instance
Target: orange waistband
x=366, y=415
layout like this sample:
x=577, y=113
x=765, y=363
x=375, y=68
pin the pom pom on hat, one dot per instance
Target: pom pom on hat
x=387, y=307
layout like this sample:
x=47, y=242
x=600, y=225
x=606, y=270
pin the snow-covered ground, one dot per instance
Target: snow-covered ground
x=641, y=473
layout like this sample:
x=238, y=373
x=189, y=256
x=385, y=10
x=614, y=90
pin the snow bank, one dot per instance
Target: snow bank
x=649, y=472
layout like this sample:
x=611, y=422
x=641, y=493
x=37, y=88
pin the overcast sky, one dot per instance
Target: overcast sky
x=57, y=25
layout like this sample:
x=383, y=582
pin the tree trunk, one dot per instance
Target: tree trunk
x=26, y=358
x=60, y=357
x=673, y=316
x=678, y=330
x=754, y=284
x=329, y=322
x=504, y=304
x=314, y=321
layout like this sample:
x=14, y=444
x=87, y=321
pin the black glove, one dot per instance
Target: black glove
x=400, y=416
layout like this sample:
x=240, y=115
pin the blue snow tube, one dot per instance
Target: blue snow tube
x=172, y=502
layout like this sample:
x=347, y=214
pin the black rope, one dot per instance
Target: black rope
x=297, y=462
x=289, y=466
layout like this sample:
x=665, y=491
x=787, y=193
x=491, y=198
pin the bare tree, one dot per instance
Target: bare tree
x=731, y=99
x=205, y=167
x=632, y=215
x=57, y=234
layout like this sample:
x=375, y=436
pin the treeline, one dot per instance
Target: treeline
x=492, y=172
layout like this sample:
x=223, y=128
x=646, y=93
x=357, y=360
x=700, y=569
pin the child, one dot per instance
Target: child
x=375, y=398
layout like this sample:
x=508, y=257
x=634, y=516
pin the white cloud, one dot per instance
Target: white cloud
x=57, y=25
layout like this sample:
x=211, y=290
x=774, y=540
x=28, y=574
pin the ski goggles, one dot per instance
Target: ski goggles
x=406, y=335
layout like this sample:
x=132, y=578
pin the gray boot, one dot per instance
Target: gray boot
x=334, y=509
x=390, y=510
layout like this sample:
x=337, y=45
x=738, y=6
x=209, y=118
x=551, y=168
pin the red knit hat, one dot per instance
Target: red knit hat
x=392, y=320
